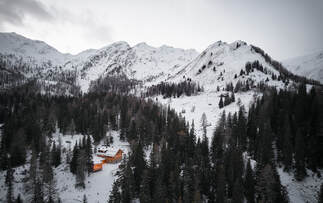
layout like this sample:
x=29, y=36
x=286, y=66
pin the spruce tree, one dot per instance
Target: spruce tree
x=9, y=183
x=220, y=184
x=300, y=156
x=73, y=163
x=139, y=163
x=249, y=184
x=145, y=189
x=115, y=194
x=80, y=170
x=84, y=199
x=237, y=196
x=287, y=146
x=18, y=200
x=221, y=103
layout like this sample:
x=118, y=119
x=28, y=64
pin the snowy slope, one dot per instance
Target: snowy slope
x=98, y=185
x=220, y=62
x=33, y=51
x=310, y=66
x=140, y=62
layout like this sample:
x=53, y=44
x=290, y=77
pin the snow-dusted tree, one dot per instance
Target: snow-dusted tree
x=38, y=195
x=115, y=196
x=49, y=182
x=80, y=169
x=84, y=199
x=71, y=127
x=204, y=123
x=9, y=182
x=30, y=184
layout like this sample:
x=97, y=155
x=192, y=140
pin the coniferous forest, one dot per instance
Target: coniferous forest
x=282, y=129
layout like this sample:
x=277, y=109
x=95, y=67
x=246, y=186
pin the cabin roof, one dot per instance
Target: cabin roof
x=97, y=160
x=108, y=151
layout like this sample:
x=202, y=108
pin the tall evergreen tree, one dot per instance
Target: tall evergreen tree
x=9, y=183
x=249, y=184
x=287, y=147
x=139, y=163
x=300, y=155
x=237, y=196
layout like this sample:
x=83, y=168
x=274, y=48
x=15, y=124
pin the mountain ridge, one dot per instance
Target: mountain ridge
x=309, y=65
x=220, y=63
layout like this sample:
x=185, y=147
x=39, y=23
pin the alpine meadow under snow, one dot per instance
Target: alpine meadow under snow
x=229, y=124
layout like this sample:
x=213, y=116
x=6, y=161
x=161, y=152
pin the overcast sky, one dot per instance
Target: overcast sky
x=282, y=28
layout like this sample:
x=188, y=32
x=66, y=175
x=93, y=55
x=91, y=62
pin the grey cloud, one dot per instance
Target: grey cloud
x=15, y=11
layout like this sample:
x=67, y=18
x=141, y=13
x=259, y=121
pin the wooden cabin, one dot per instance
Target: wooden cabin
x=106, y=155
x=97, y=167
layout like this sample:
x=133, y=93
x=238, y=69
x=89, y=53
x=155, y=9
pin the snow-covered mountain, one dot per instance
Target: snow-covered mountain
x=223, y=62
x=310, y=66
x=140, y=62
x=32, y=51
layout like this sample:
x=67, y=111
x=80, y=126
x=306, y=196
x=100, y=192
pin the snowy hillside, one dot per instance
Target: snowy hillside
x=222, y=63
x=141, y=62
x=98, y=185
x=310, y=66
x=32, y=51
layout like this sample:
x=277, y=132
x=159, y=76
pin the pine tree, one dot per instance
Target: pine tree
x=18, y=200
x=287, y=146
x=268, y=186
x=221, y=103
x=115, y=194
x=89, y=158
x=300, y=156
x=249, y=184
x=204, y=123
x=38, y=195
x=220, y=185
x=188, y=187
x=9, y=183
x=159, y=194
x=139, y=162
x=80, y=170
x=56, y=155
x=84, y=199
x=237, y=196
x=145, y=189
x=49, y=183
x=73, y=163
x=30, y=185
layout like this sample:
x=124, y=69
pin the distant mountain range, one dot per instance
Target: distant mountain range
x=221, y=63
x=310, y=66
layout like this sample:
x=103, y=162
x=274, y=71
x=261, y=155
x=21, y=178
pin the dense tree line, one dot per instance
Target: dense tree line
x=14, y=72
x=187, y=88
x=117, y=84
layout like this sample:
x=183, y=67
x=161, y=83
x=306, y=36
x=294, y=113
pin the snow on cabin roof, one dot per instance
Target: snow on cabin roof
x=97, y=159
x=107, y=151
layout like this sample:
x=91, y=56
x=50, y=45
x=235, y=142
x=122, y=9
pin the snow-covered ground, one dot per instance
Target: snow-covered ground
x=98, y=184
x=193, y=107
x=301, y=191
